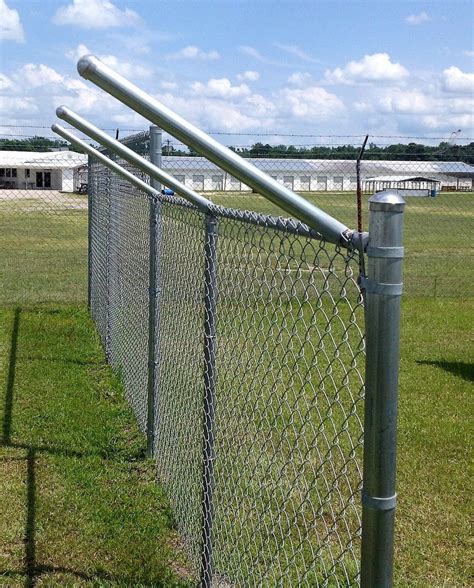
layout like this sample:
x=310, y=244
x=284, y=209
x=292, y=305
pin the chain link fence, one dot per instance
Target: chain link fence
x=258, y=438
x=436, y=182
x=43, y=227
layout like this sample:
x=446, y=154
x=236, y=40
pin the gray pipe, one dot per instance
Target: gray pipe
x=383, y=288
x=140, y=184
x=93, y=69
x=154, y=172
x=155, y=229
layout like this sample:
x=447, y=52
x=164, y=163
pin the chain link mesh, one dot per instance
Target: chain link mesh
x=43, y=227
x=259, y=429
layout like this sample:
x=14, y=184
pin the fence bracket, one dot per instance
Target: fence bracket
x=377, y=503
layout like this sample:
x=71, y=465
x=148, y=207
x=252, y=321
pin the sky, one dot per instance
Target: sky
x=275, y=68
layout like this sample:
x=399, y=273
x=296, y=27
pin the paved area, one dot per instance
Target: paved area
x=26, y=200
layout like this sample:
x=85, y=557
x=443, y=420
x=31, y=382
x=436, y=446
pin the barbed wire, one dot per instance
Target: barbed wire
x=265, y=134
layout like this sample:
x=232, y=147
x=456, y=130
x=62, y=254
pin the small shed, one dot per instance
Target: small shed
x=405, y=185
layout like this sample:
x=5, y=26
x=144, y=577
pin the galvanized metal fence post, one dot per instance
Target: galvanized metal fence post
x=153, y=293
x=89, y=230
x=108, y=268
x=383, y=296
x=210, y=320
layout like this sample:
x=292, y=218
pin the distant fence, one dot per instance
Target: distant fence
x=43, y=227
x=47, y=190
x=439, y=211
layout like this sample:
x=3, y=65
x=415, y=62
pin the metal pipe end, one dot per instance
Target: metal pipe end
x=86, y=65
x=62, y=111
x=56, y=128
x=387, y=200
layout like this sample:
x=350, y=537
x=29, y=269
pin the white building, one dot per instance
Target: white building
x=31, y=170
x=332, y=175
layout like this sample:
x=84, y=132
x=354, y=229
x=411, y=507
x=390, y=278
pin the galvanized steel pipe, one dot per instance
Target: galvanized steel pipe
x=93, y=69
x=383, y=287
x=65, y=113
x=140, y=184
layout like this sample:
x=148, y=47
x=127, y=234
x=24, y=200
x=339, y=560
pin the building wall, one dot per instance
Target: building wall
x=26, y=179
x=67, y=180
x=213, y=181
x=314, y=175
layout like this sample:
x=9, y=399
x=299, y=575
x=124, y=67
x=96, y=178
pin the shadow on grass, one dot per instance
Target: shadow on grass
x=7, y=413
x=32, y=570
x=458, y=368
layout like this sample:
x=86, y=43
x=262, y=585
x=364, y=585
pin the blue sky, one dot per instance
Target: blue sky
x=274, y=67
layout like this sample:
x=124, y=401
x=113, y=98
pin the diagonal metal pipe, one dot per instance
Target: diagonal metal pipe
x=62, y=132
x=66, y=114
x=93, y=69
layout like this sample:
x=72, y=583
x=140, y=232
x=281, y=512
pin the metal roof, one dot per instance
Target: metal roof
x=40, y=159
x=401, y=179
x=271, y=165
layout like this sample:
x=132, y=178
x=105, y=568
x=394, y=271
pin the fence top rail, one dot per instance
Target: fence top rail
x=129, y=155
x=93, y=69
x=137, y=182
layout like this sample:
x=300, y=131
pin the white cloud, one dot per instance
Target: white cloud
x=300, y=78
x=168, y=85
x=455, y=80
x=371, y=68
x=17, y=104
x=213, y=113
x=425, y=109
x=255, y=54
x=448, y=122
x=312, y=103
x=35, y=76
x=83, y=98
x=193, y=52
x=252, y=52
x=297, y=52
x=78, y=52
x=417, y=19
x=468, y=53
x=409, y=102
x=248, y=76
x=260, y=106
x=131, y=119
x=129, y=70
x=11, y=28
x=221, y=88
x=95, y=14
x=5, y=82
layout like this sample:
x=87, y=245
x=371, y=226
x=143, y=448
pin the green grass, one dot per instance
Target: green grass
x=439, y=251
x=79, y=502
x=433, y=533
x=43, y=257
x=434, y=475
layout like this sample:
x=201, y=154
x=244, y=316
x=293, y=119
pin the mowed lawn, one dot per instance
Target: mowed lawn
x=82, y=504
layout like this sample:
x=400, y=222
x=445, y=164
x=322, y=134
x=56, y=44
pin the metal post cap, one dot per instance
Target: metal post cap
x=87, y=64
x=389, y=200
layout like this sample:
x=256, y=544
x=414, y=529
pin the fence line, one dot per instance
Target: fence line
x=278, y=502
x=313, y=327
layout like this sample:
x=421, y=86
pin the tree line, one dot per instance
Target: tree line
x=445, y=151
x=399, y=151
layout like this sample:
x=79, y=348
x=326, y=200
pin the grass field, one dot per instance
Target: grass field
x=79, y=502
x=434, y=476
x=439, y=253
